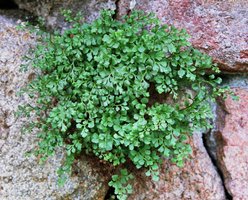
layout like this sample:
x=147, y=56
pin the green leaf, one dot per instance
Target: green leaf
x=95, y=138
x=181, y=73
x=91, y=124
x=84, y=133
x=141, y=49
x=148, y=173
x=107, y=39
x=89, y=56
x=155, y=178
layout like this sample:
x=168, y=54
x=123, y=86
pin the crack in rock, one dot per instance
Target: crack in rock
x=205, y=138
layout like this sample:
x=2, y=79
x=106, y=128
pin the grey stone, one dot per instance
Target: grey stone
x=22, y=177
x=50, y=10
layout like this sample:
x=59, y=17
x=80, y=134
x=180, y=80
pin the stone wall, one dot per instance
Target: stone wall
x=218, y=168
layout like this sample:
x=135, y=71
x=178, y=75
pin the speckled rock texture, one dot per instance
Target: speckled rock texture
x=198, y=179
x=219, y=28
x=50, y=10
x=232, y=143
x=21, y=177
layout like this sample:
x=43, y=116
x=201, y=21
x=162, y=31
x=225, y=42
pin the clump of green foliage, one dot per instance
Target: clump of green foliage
x=93, y=93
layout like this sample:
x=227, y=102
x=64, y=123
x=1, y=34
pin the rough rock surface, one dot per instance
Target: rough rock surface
x=219, y=28
x=51, y=9
x=22, y=177
x=198, y=179
x=232, y=143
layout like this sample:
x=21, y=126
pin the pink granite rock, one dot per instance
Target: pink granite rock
x=232, y=144
x=197, y=180
x=218, y=28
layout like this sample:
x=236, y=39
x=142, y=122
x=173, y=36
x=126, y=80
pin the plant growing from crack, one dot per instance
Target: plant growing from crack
x=95, y=93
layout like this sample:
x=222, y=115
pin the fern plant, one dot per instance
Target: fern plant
x=120, y=90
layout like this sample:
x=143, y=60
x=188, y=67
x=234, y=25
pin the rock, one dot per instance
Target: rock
x=217, y=28
x=198, y=179
x=51, y=10
x=21, y=177
x=232, y=143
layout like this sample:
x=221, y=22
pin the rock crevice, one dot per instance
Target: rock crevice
x=215, y=164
